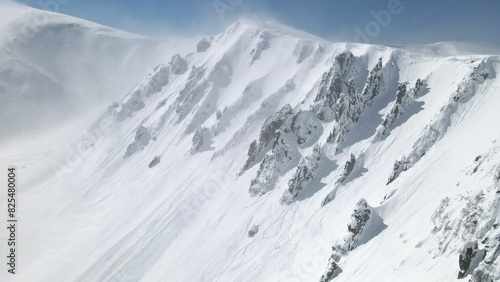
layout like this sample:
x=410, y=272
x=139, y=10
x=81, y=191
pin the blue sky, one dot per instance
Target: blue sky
x=416, y=22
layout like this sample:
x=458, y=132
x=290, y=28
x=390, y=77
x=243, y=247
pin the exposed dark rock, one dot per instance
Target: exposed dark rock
x=359, y=218
x=363, y=217
x=339, y=79
x=267, y=133
x=203, y=45
x=399, y=166
x=202, y=139
x=468, y=252
x=178, y=64
x=306, y=127
x=254, y=230
x=142, y=138
x=154, y=162
x=348, y=167
x=305, y=172
x=277, y=161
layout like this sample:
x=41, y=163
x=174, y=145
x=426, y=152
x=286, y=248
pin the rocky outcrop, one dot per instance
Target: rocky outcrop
x=363, y=218
x=142, y=138
x=154, y=162
x=253, y=230
x=267, y=134
x=306, y=128
x=440, y=124
x=203, y=45
x=348, y=167
x=405, y=96
x=178, y=65
x=202, y=140
x=351, y=104
x=263, y=43
x=469, y=256
x=304, y=174
x=277, y=161
x=340, y=79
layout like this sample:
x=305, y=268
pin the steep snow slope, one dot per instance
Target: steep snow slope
x=56, y=70
x=270, y=155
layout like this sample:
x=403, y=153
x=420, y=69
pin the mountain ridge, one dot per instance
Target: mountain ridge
x=292, y=141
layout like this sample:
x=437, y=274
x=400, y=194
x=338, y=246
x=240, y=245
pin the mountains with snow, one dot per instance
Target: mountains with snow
x=260, y=154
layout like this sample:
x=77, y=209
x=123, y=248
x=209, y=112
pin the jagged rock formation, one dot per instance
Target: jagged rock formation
x=306, y=127
x=348, y=167
x=363, y=218
x=439, y=126
x=267, y=134
x=470, y=255
x=304, y=174
x=339, y=79
x=350, y=105
x=278, y=160
x=404, y=98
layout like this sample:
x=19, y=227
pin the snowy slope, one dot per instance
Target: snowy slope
x=272, y=155
x=59, y=71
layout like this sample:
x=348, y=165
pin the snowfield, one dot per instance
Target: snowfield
x=259, y=154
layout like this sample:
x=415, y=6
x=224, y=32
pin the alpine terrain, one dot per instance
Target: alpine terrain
x=262, y=153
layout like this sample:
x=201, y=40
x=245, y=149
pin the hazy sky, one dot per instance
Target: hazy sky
x=410, y=22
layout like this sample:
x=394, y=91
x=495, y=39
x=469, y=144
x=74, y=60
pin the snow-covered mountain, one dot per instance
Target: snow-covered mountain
x=56, y=70
x=271, y=155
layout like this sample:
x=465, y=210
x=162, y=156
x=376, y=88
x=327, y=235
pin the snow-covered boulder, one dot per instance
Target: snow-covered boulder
x=178, y=64
x=203, y=45
x=142, y=138
x=154, y=162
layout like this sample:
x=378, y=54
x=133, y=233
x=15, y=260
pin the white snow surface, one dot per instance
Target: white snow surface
x=93, y=210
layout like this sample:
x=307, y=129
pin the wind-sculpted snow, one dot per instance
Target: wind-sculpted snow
x=263, y=43
x=443, y=120
x=303, y=50
x=208, y=93
x=251, y=94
